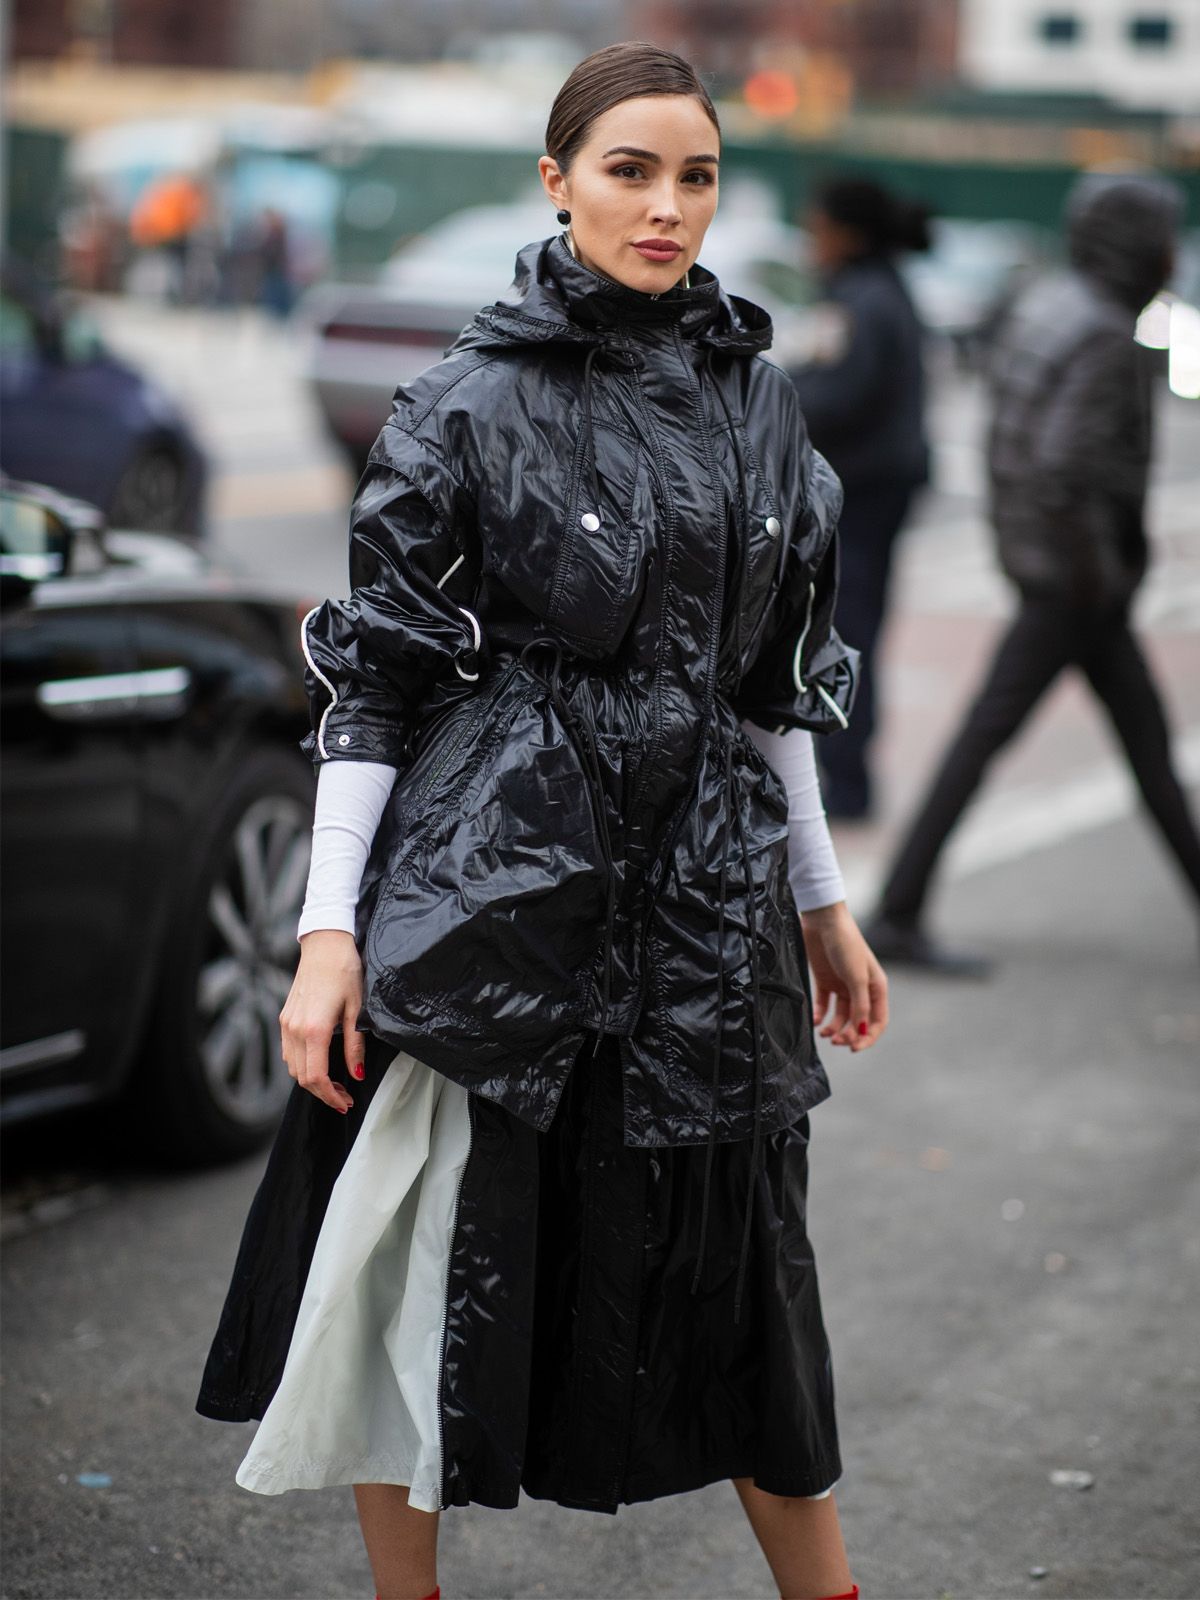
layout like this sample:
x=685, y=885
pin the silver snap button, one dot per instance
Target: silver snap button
x=343, y=738
x=773, y=526
x=590, y=521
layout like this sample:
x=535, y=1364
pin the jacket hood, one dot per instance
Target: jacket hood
x=555, y=299
x=1121, y=229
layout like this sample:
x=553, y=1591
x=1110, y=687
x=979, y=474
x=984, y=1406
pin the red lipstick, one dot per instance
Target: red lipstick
x=657, y=249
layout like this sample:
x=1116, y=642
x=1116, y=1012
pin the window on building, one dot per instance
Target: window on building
x=1059, y=27
x=1151, y=32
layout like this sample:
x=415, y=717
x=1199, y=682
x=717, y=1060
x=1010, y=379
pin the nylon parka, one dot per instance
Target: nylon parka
x=587, y=544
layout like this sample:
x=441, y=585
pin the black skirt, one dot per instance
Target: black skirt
x=575, y=1361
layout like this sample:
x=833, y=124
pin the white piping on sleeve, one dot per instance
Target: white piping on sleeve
x=317, y=673
x=801, y=686
x=476, y=630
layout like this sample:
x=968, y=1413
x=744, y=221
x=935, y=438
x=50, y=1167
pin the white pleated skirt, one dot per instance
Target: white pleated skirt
x=358, y=1398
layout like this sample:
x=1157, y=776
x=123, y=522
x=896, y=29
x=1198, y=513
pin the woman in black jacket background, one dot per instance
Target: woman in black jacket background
x=863, y=397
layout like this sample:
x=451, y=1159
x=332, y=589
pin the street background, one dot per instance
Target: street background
x=1004, y=1199
x=1004, y=1196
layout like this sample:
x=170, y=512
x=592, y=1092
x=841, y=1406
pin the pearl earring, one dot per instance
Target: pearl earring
x=564, y=216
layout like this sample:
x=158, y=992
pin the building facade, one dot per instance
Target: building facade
x=1142, y=53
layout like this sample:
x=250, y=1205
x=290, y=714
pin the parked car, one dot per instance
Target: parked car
x=155, y=825
x=364, y=339
x=76, y=417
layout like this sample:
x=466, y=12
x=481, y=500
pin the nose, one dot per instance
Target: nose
x=664, y=205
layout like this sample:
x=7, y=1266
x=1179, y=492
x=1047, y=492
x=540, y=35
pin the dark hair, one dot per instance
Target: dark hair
x=887, y=221
x=607, y=77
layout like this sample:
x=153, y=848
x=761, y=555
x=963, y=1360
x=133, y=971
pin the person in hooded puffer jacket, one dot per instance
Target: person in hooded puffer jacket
x=535, y=1220
x=1068, y=454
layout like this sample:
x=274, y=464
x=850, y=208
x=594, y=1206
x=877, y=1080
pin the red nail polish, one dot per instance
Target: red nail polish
x=862, y=1027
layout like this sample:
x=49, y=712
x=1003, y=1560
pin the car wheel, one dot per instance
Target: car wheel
x=214, y=1080
x=150, y=493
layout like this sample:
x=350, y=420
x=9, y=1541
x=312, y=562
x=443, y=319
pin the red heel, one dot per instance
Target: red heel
x=436, y=1595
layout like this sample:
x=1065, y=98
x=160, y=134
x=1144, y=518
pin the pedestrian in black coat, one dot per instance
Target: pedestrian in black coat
x=1068, y=459
x=555, y=1240
x=862, y=392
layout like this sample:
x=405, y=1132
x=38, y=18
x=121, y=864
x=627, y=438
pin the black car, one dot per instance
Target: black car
x=76, y=416
x=156, y=827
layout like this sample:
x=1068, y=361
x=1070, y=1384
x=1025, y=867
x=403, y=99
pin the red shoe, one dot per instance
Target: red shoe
x=436, y=1595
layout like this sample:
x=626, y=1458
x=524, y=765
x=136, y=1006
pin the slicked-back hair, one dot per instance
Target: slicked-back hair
x=604, y=79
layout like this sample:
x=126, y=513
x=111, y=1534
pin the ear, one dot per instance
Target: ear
x=553, y=181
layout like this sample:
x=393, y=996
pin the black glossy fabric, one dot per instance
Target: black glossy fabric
x=1071, y=432
x=585, y=1359
x=588, y=542
x=865, y=406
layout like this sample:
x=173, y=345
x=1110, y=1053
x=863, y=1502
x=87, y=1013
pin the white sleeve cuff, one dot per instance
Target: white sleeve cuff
x=351, y=796
x=813, y=870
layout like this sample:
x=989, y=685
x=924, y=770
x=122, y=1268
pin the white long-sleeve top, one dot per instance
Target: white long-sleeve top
x=351, y=796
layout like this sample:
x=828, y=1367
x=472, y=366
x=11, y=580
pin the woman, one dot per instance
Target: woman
x=556, y=1242
x=863, y=395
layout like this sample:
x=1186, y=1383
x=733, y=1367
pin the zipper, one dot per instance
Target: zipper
x=468, y=729
x=651, y=755
x=458, y=1189
x=659, y=868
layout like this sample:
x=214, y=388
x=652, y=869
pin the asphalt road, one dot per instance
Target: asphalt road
x=1004, y=1196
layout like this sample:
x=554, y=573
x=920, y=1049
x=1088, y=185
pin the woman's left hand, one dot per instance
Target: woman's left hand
x=847, y=976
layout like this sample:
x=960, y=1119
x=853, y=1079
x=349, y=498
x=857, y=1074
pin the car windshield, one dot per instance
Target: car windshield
x=467, y=250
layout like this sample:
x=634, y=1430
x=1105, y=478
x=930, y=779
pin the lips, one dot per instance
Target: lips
x=657, y=249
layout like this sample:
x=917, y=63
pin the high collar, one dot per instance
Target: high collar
x=600, y=301
x=556, y=299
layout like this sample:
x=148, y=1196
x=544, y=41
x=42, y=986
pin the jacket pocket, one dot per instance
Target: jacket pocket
x=603, y=549
x=488, y=925
x=700, y=955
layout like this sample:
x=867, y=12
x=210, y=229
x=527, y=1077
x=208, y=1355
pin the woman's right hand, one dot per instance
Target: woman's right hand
x=326, y=990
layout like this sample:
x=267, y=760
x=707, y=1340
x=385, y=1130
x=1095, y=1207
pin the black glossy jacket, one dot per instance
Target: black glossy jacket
x=587, y=543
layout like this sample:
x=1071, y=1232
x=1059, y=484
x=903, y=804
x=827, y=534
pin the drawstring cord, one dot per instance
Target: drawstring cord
x=590, y=452
x=581, y=737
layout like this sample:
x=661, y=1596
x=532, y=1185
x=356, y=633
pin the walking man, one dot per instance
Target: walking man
x=1068, y=455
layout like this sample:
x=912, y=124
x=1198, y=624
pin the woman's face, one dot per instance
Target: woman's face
x=641, y=190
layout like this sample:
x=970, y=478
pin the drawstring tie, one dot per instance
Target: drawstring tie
x=581, y=737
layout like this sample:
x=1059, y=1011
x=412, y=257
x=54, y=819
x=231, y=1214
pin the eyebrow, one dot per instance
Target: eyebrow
x=649, y=155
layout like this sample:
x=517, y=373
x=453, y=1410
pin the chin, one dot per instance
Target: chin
x=649, y=277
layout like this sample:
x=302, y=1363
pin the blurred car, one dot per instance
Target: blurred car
x=155, y=828
x=965, y=283
x=364, y=339
x=78, y=418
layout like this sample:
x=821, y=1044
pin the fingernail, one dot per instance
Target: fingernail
x=862, y=1027
x=357, y=1070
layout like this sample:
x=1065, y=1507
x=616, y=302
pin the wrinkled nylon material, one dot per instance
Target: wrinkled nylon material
x=557, y=834
x=577, y=1365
